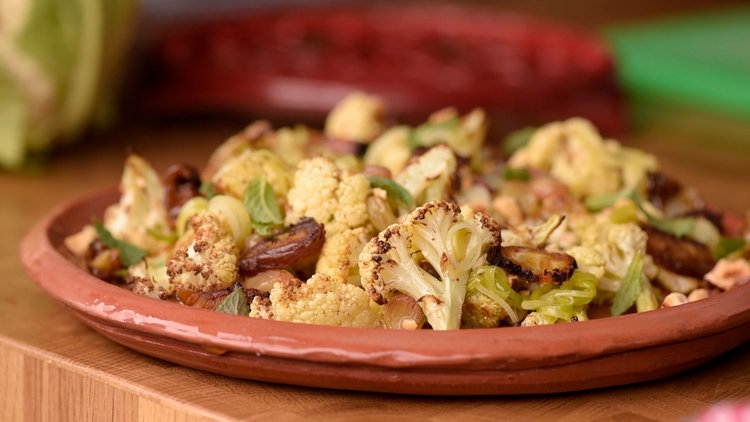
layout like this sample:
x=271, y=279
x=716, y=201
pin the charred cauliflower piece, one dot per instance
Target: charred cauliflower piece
x=429, y=257
x=206, y=257
x=141, y=207
x=335, y=198
x=322, y=300
x=430, y=176
x=149, y=278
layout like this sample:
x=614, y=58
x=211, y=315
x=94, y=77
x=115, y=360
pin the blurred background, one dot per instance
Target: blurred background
x=672, y=77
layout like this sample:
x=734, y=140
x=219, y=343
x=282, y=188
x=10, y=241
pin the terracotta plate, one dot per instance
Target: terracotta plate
x=511, y=360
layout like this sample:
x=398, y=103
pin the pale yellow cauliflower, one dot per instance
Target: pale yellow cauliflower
x=334, y=198
x=233, y=177
x=480, y=311
x=323, y=300
x=141, y=207
x=575, y=153
x=358, y=118
x=206, y=257
x=617, y=245
x=390, y=150
x=339, y=258
x=430, y=176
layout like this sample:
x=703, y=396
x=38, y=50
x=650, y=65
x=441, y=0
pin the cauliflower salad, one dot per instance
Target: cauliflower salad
x=369, y=225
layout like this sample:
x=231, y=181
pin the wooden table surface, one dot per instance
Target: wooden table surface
x=52, y=366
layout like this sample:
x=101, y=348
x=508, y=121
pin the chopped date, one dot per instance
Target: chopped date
x=661, y=188
x=299, y=241
x=212, y=298
x=681, y=255
x=181, y=182
x=534, y=265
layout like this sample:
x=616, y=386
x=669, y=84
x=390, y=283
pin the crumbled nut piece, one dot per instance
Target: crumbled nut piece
x=674, y=299
x=509, y=209
x=698, y=294
x=408, y=324
x=729, y=273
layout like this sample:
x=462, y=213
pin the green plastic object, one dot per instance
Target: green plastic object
x=699, y=60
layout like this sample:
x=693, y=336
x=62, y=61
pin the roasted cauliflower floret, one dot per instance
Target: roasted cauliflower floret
x=340, y=254
x=490, y=299
x=532, y=236
x=141, y=207
x=149, y=278
x=429, y=257
x=233, y=177
x=430, y=176
x=535, y=318
x=253, y=135
x=358, y=117
x=479, y=311
x=588, y=260
x=206, y=257
x=390, y=150
x=335, y=198
x=574, y=152
x=465, y=135
x=617, y=245
x=323, y=300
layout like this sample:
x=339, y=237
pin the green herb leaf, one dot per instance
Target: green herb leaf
x=235, y=304
x=157, y=234
x=600, y=202
x=263, y=229
x=517, y=140
x=431, y=134
x=516, y=174
x=393, y=189
x=129, y=253
x=630, y=288
x=728, y=245
x=627, y=213
x=676, y=226
x=261, y=204
x=207, y=190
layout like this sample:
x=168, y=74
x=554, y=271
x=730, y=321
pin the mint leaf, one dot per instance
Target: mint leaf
x=600, y=202
x=431, y=134
x=676, y=226
x=235, y=304
x=393, y=189
x=728, y=245
x=516, y=174
x=162, y=236
x=517, y=140
x=630, y=288
x=262, y=229
x=129, y=253
x=261, y=204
